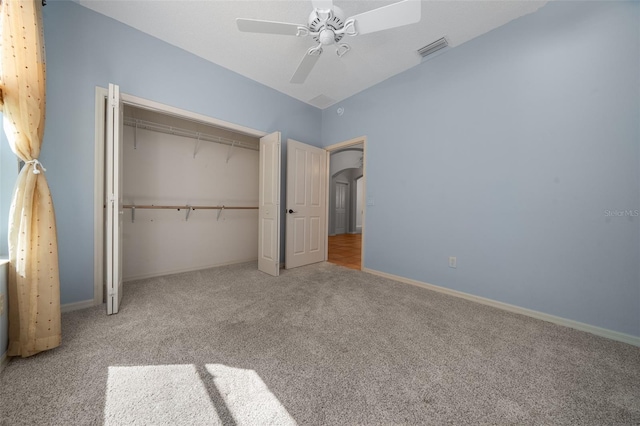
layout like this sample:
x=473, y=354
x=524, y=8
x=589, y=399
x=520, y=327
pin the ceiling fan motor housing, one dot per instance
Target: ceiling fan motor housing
x=325, y=23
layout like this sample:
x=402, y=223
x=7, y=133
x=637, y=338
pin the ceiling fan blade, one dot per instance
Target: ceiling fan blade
x=383, y=18
x=322, y=4
x=268, y=27
x=307, y=64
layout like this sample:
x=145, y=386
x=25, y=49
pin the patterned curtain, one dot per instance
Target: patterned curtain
x=34, y=285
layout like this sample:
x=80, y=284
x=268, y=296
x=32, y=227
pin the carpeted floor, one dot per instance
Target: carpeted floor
x=319, y=345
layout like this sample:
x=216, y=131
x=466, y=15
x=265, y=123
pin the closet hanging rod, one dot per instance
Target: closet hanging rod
x=134, y=206
x=177, y=131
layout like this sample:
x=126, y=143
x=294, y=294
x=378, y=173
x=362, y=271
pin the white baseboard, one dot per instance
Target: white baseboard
x=598, y=331
x=4, y=360
x=191, y=269
x=68, y=307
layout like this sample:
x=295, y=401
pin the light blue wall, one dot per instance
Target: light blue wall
x=86, y=49
x=506, y=152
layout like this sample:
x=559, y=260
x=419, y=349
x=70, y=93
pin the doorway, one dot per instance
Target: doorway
x=346, y=203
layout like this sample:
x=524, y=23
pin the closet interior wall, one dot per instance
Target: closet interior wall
x=177, y=164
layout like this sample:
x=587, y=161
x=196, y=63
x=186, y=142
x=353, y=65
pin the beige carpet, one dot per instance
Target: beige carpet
x=319, y=345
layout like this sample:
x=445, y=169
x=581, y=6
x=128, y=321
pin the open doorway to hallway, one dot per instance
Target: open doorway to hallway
x=346, y=204
x=346, y=250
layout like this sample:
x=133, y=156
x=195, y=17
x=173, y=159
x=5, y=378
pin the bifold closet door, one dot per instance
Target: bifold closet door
x=269, y=205
x=113, y=202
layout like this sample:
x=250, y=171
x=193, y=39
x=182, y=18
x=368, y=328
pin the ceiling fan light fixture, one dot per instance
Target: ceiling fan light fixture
x=432, y=48
x=327, y=37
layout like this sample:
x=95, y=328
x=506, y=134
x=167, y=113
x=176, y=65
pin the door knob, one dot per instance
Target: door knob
x=291, y=211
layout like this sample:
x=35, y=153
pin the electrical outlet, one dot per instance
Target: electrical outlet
x=453, y=262
x=1, y=305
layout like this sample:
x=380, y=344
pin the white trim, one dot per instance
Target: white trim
x=98, y=216
x=355, y=141
x=182, y=113
x=75, y=306
x=4, y=360
x=191, y=269
x=598, y=331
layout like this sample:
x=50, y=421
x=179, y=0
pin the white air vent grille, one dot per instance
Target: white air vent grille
x=433, y=47
x=322, y=101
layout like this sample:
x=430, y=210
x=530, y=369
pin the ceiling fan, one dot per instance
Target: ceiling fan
x=327, y=26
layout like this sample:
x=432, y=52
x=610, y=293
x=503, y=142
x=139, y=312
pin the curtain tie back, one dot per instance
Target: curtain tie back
x=36, y=163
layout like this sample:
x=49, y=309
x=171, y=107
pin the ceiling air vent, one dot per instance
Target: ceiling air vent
x=322, y=101
x=433, y=47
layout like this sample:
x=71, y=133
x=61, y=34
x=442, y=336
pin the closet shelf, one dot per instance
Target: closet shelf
x=188, y=208
x=133, y=206
x=177, y=131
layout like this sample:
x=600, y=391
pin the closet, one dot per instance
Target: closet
x=178, y=191
x=189, y=194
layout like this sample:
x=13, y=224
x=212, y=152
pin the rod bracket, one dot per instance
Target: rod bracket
x=195, y=149
x=229, y=151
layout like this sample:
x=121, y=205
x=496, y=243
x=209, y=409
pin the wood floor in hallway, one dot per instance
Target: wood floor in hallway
x=346, y=250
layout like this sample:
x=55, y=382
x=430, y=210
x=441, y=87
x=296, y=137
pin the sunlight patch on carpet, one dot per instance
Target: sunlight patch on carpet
x=248, y=398
x=157, y=394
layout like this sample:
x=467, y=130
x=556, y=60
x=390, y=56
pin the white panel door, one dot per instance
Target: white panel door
x=114, y=200
x=341, y=208
x=306, y=204
x=269, y=205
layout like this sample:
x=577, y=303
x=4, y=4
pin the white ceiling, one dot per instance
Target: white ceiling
x=208, y=29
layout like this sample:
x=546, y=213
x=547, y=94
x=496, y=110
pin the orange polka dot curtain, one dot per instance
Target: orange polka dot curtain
x=34, y=285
